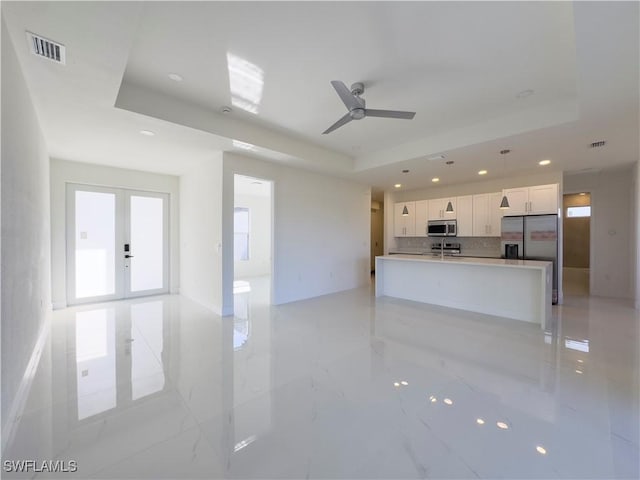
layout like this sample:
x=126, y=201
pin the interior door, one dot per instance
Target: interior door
x=117, y=243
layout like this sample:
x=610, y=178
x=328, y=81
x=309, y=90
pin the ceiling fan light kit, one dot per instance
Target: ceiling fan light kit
x=356, y=106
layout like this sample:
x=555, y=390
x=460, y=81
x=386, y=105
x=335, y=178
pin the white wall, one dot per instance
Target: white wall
x=201, y=234
x=259, y=262
x=63, y=172
x=636, y=240
x=25, y=251
x=321, y=230
x=612, y=229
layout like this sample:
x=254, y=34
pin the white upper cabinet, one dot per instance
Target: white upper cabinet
x=477, y=215
x=543, y=199
x=421, y=218
x=518, y=200
x=404, y=224
x=536, y=200
x=438, y=208
x=487, y=214
x=464, y=215
x=495, y=214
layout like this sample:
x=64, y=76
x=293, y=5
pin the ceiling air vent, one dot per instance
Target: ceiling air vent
x=601, y=143
x=46, y=48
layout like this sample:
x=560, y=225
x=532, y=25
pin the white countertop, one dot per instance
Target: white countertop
x=496, y=262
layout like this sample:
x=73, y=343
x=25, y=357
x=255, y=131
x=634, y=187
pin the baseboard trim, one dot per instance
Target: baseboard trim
x=214, y=308
x=20, y=400
x=59, y=305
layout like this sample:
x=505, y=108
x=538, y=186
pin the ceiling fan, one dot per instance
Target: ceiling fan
x=356, y=106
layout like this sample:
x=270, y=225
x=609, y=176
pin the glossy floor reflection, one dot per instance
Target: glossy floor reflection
x=342, y=386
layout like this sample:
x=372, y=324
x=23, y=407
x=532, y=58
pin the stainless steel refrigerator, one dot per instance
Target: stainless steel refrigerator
x=532, y=237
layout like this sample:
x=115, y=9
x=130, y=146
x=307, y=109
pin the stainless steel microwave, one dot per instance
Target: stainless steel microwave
x=442, y=228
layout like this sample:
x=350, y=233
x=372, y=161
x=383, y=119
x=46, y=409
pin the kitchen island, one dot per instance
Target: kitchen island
x=515, y=289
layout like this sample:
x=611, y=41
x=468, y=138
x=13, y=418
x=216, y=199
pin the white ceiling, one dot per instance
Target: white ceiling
x=459, y=65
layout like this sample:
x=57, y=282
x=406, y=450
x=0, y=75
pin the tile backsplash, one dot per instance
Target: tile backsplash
x=470, y=246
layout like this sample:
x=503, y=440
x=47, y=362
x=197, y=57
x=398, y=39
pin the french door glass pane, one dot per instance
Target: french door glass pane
x=146, y=243
x=95, y=226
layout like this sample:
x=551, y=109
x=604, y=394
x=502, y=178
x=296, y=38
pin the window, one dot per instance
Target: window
x=241, y=233
x=579, y=211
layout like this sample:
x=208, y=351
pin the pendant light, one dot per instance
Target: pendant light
x=405, y=211
x=504, y=204
x=449, y=208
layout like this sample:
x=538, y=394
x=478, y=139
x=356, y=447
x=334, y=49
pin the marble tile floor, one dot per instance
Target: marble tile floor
x=341, y=386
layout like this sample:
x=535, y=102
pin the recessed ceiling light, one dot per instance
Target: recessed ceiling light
x=435, y=179
x=436, y=157
x=541, y=450
x=175, y=77
x=525, y=93
x=479, y=421
x=482, y=172
x=502, y=425
x=147, y=133
x=544, y=162
x=448, y=401
x=398, y=185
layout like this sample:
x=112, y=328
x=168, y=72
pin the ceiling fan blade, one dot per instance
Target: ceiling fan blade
x=349, y=100
x=346, y=119
x=389, y=114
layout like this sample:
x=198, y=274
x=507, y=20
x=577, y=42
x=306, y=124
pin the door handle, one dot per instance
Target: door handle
x=128, y=256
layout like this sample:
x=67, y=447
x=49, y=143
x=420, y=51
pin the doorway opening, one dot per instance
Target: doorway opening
x=117, y=243
x=377, y=232
x=252, y=242
x=576, y=243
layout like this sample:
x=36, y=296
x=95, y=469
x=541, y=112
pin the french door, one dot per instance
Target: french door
x=117, y=243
